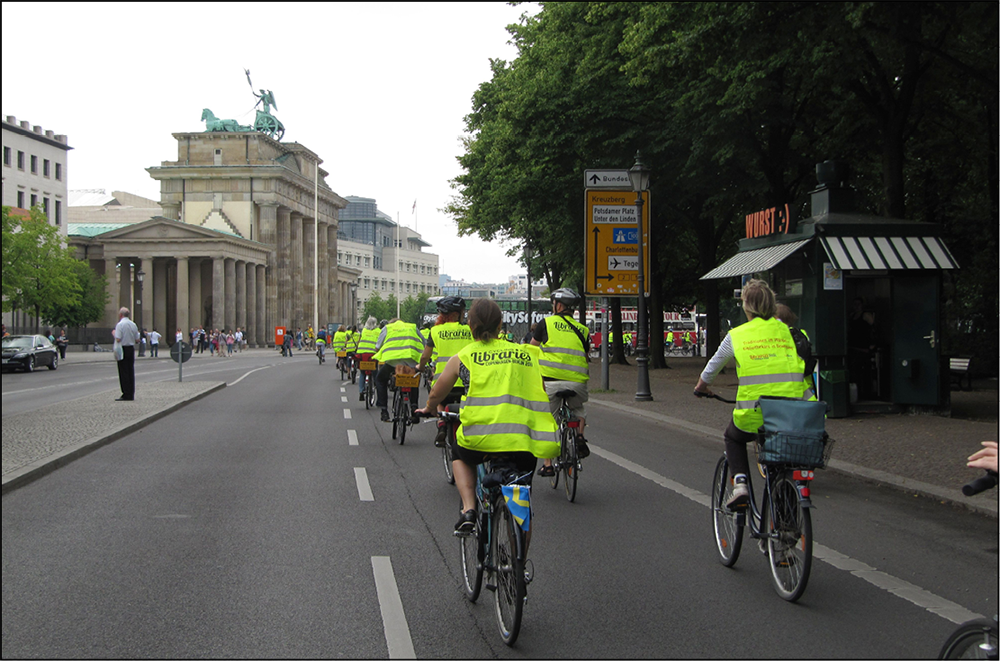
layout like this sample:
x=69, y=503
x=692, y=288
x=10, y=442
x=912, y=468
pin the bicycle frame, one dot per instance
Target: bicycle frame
x=771, y=475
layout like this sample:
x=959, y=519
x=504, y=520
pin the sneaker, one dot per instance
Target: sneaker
x=546, y=471
x=385, y=416
x=581, y=447
x=740, y=495
x=466, y=523
x=439, y=439
x=361, y=396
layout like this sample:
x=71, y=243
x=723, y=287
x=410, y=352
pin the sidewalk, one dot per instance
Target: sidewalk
x=922, y=454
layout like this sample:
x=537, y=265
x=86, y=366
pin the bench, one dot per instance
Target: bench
x=959, y=371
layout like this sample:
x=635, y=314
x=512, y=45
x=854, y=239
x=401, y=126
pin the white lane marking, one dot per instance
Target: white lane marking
x=230, y=385
x=343, y=399
x=397, y=631
x=929, y=601
x=352, y=437
x=343, y=389
x=347, y=414
x=364, y=489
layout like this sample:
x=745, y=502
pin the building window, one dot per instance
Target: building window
x=45, y=206
x=6, y=156
x=45, y=167
x=34, y=164
x=20, y=199
x=20, y=160
x=59, y=171
x=34, y=200
x=58, y=212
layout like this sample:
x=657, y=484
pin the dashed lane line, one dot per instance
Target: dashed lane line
x=397, y=631
x=352, y=437
x=364, y=488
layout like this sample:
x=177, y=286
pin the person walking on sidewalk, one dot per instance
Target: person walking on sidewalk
x=767, y=364
x=154, y=344
x=126, y=335
x=62, y=342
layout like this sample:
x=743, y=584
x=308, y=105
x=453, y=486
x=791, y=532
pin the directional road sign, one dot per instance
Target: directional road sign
x=613, y=179
x=612, y=240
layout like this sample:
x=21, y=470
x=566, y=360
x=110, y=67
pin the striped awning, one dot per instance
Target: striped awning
x=881, y=252
x=754, y=261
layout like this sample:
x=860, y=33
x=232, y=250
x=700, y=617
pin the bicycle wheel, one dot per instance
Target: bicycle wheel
x=320, y=356
x=354, y=372
x=395, y=413
x=404, y=419
x=568, y=462
x=508, y=572
x=789, y=539
x=473, y=550
x=975, y=639
x=556, y=463
x=446, y=458
x=728, y=533
x=340, y=363
x=371, y=395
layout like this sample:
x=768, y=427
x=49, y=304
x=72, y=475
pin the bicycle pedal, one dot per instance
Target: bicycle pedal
x=491, y=587
x=529, y=572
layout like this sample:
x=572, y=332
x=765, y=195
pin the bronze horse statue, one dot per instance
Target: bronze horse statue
x=213, y=123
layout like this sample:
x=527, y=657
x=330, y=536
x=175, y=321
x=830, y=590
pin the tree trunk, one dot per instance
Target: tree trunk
x=617, y=352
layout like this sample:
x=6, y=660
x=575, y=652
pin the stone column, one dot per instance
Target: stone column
x=183, y=303
x=298, y=311
x=230, y=266
x=125, y=286
x=331, y=252
x=159, y=288
x=264, y=333
x=241, y=295
x=284, y=258
x=218, y=293
x=114, y=292
x=196, y=299
x=322, y=252
x=250, y=295
x=309, y=256
x=268, y=218
x=144, y=292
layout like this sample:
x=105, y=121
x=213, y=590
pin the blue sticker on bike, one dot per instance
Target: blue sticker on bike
x=518, y=497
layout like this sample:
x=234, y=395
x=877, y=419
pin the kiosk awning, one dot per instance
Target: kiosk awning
x=753, y=261
x=881, y=252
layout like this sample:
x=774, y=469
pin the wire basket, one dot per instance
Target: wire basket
x=789, y=449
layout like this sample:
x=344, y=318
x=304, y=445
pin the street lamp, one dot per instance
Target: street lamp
x=639, y=176
x=354, y=302
x=138, y=299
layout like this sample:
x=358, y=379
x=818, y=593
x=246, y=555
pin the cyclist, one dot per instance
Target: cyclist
x=366, y=349
x=445, y=339
x=321, y=344
x=504, y=409
x=399, y=344
x=340, y=341
x=353, y=338
x=565, y=345
x=766, y=364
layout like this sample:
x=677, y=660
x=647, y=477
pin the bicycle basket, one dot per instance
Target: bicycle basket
x=794, y=433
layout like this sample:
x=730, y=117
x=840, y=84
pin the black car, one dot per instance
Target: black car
x=28, y=352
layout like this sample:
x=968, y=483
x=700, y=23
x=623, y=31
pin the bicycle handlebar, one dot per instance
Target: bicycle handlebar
x=980, y=484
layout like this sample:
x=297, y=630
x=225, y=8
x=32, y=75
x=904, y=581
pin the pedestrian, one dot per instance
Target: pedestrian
x=126, y=336
x=239, y=339
x=142, y=342
x=154, y=344
x=230, y=341
x=179, y=336
x=286, y=349
x=298, y=339
x=62, y=342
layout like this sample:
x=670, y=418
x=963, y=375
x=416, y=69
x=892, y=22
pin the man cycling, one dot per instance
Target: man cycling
x=766, y=364
x=399, y=344
x=503, y=410
x=565, y=345
x=445, y=339
x=340, y=342
x=366, y=349
x=321, y=344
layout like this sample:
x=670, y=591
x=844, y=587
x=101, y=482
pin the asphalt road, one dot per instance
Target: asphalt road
x=240, y=527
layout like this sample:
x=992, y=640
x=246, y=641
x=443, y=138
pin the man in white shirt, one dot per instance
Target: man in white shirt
x=154, y=343
x=239, y=339
x=127, y=335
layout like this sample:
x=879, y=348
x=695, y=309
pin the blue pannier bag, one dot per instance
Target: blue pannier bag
x=794, y=432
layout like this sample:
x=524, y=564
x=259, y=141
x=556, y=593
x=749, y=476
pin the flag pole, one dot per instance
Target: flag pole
x=316, y=251
x=399, y=288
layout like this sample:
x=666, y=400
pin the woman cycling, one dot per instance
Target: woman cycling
x=505, y=408
x=767, y=364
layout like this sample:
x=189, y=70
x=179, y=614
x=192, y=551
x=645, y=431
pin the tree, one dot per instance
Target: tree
x=412, y=309
x=376, y=307
x=90, y=306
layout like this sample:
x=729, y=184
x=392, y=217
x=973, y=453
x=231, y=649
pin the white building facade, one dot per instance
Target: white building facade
x=35, y=169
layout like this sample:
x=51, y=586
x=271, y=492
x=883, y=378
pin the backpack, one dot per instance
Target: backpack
x=803, y=348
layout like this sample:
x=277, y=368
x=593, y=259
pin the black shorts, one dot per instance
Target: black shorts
x=525, y=462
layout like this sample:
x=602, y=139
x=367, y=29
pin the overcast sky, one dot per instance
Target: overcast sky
x=377, y=90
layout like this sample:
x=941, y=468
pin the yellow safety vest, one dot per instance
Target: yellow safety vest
x=369, y=336
x=563, y=354
x=352, y=341
x=402, y=342
x=448, y=338
x=340, y=341
x=505, y=408
x=766, y=364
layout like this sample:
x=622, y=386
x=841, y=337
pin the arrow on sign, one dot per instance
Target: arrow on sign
x=594, y=179
x=597, y=232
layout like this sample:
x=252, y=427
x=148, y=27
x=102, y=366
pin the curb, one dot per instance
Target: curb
x=954, y=496
x=31, y=472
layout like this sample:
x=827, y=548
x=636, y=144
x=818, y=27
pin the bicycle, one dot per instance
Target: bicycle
x=568, y=462
x=782, y=523
x=368, y=367
x=341, y=362
x=321, y=352
x=353, y=362
x=685, y=349
x=978, y=638
x=401, y=385
x=498, y=544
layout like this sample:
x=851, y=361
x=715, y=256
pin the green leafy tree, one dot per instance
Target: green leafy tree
x=412, y=309
x=90, y=306
x=378, y=307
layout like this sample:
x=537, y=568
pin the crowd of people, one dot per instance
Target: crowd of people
x=221, y=343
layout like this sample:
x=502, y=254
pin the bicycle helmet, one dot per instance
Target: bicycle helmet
x=451, y=304
x=566, y=296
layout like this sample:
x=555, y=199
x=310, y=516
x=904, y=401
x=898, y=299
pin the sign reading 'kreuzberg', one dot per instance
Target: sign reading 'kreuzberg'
x=612, y=242
x=616, y=179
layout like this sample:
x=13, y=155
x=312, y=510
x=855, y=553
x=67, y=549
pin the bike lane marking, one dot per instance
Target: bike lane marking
x=364, y=488
x=397, y=631
x=929, y=601
x=230, y=385
x=347, y=414
x=352, y=437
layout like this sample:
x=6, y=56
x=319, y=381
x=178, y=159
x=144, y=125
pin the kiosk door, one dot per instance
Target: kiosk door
x=917, y=340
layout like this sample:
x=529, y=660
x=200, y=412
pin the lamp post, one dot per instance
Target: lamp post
x=138, y=299
x=639, y=176
x=354, y=303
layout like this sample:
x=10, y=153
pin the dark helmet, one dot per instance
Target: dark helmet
x=451, y=304
x=566, y=296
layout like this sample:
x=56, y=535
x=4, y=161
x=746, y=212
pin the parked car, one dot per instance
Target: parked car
x=28, y=352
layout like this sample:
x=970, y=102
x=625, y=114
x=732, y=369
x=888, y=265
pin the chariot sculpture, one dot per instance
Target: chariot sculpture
x=265, y=122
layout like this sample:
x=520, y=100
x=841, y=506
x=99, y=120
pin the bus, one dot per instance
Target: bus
x=515, y=313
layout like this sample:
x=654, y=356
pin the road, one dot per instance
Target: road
x=241, y=526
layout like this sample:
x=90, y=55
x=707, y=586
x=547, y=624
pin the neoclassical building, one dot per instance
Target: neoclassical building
x=247, y=238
